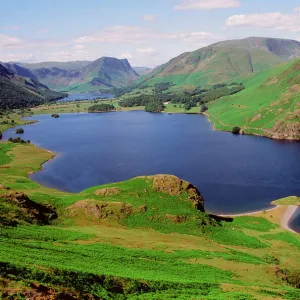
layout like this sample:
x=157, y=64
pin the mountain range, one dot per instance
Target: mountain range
x=221, y=62
x=103, y=73
x=224, y=61
x=18, y=92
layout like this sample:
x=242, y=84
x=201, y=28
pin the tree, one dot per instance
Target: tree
x=203, y=108
x=102, y=107
x=187, y=106
x=20, y=131
x=236, y=130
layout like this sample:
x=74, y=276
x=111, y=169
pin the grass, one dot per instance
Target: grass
x=142, y=254
x=293, y=200
x=266, y=107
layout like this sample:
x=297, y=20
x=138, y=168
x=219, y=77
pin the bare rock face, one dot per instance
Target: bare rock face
x=174, y=186
x=108, y=192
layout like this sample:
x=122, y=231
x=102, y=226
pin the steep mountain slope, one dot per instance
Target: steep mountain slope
x=269, y=106
x=19, y=92
x=68, y=65
x=224, y=61
x=142, y=70
x=285, y=49
x=103, y=73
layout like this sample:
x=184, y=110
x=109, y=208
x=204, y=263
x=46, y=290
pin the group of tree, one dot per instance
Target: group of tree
x=13, y=96
x=18, y=140
x=20, y=131
x=152, y=103
x=102, y=107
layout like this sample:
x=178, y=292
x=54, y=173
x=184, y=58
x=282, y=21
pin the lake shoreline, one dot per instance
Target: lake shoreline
x=54, y=155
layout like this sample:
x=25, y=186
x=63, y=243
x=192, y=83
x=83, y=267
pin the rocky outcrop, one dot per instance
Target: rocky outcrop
x=174, y=186
x=17, y=208
x=108, y=192
x=90, y=211
x=288, y=129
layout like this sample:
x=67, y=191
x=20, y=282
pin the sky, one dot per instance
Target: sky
x=146, y=32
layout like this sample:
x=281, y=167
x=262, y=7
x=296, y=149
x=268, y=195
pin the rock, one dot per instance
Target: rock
x=108, y=192
x=90, y=211
x=24, y=210
x=174, y=186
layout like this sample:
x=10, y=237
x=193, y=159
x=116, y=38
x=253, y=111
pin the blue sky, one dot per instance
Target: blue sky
x=146, y=32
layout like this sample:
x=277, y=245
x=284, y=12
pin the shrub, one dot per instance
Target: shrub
x=236, y=130
x=20, y=131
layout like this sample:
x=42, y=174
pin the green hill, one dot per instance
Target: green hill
x=21, y=92
x=270, y=104
x=145, y=238
x=103, y=73
x=222, y=62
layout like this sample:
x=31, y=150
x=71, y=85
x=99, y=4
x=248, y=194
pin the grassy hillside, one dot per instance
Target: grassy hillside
x=270, y=104
x=22, y=92
x=146, y=238
x=223, y=62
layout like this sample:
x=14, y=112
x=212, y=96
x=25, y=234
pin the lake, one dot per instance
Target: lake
x=234, y=173
x=86, y=96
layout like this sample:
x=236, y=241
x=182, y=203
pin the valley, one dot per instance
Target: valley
x=87, y=208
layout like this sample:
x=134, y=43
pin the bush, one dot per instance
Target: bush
x=101, y=108
x=236, y=130
x=20, y=131
x=203, y=108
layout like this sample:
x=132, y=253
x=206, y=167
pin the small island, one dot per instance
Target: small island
x=20, y=131
x=102, y=107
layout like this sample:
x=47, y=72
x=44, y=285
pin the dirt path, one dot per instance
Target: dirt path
x=287, y=216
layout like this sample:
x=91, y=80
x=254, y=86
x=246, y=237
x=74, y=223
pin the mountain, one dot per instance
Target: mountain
x=269, y=105
x=224, y=61
x=19, y=92
x=142, y=70
x=68, y=65
x=103, y=73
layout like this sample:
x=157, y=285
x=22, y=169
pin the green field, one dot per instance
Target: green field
x=138, y=239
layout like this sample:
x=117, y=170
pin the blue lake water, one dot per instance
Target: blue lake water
x=234, y=173
x=87, y=96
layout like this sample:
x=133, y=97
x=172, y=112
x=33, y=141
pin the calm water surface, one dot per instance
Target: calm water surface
x=233, y=173
x=86, y=96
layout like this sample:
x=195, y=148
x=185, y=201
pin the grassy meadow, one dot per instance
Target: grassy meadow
x=129, y=240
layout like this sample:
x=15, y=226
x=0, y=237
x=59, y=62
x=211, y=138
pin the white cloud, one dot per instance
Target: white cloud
x=127, y=55
x=206, y=4
x=149, y=18
x=297, y=9
x=276, y=20
x=20, y=57
x=7, y=41
x=138, y=35
x=68, y=55
x=79, y=47
x=146, y=50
